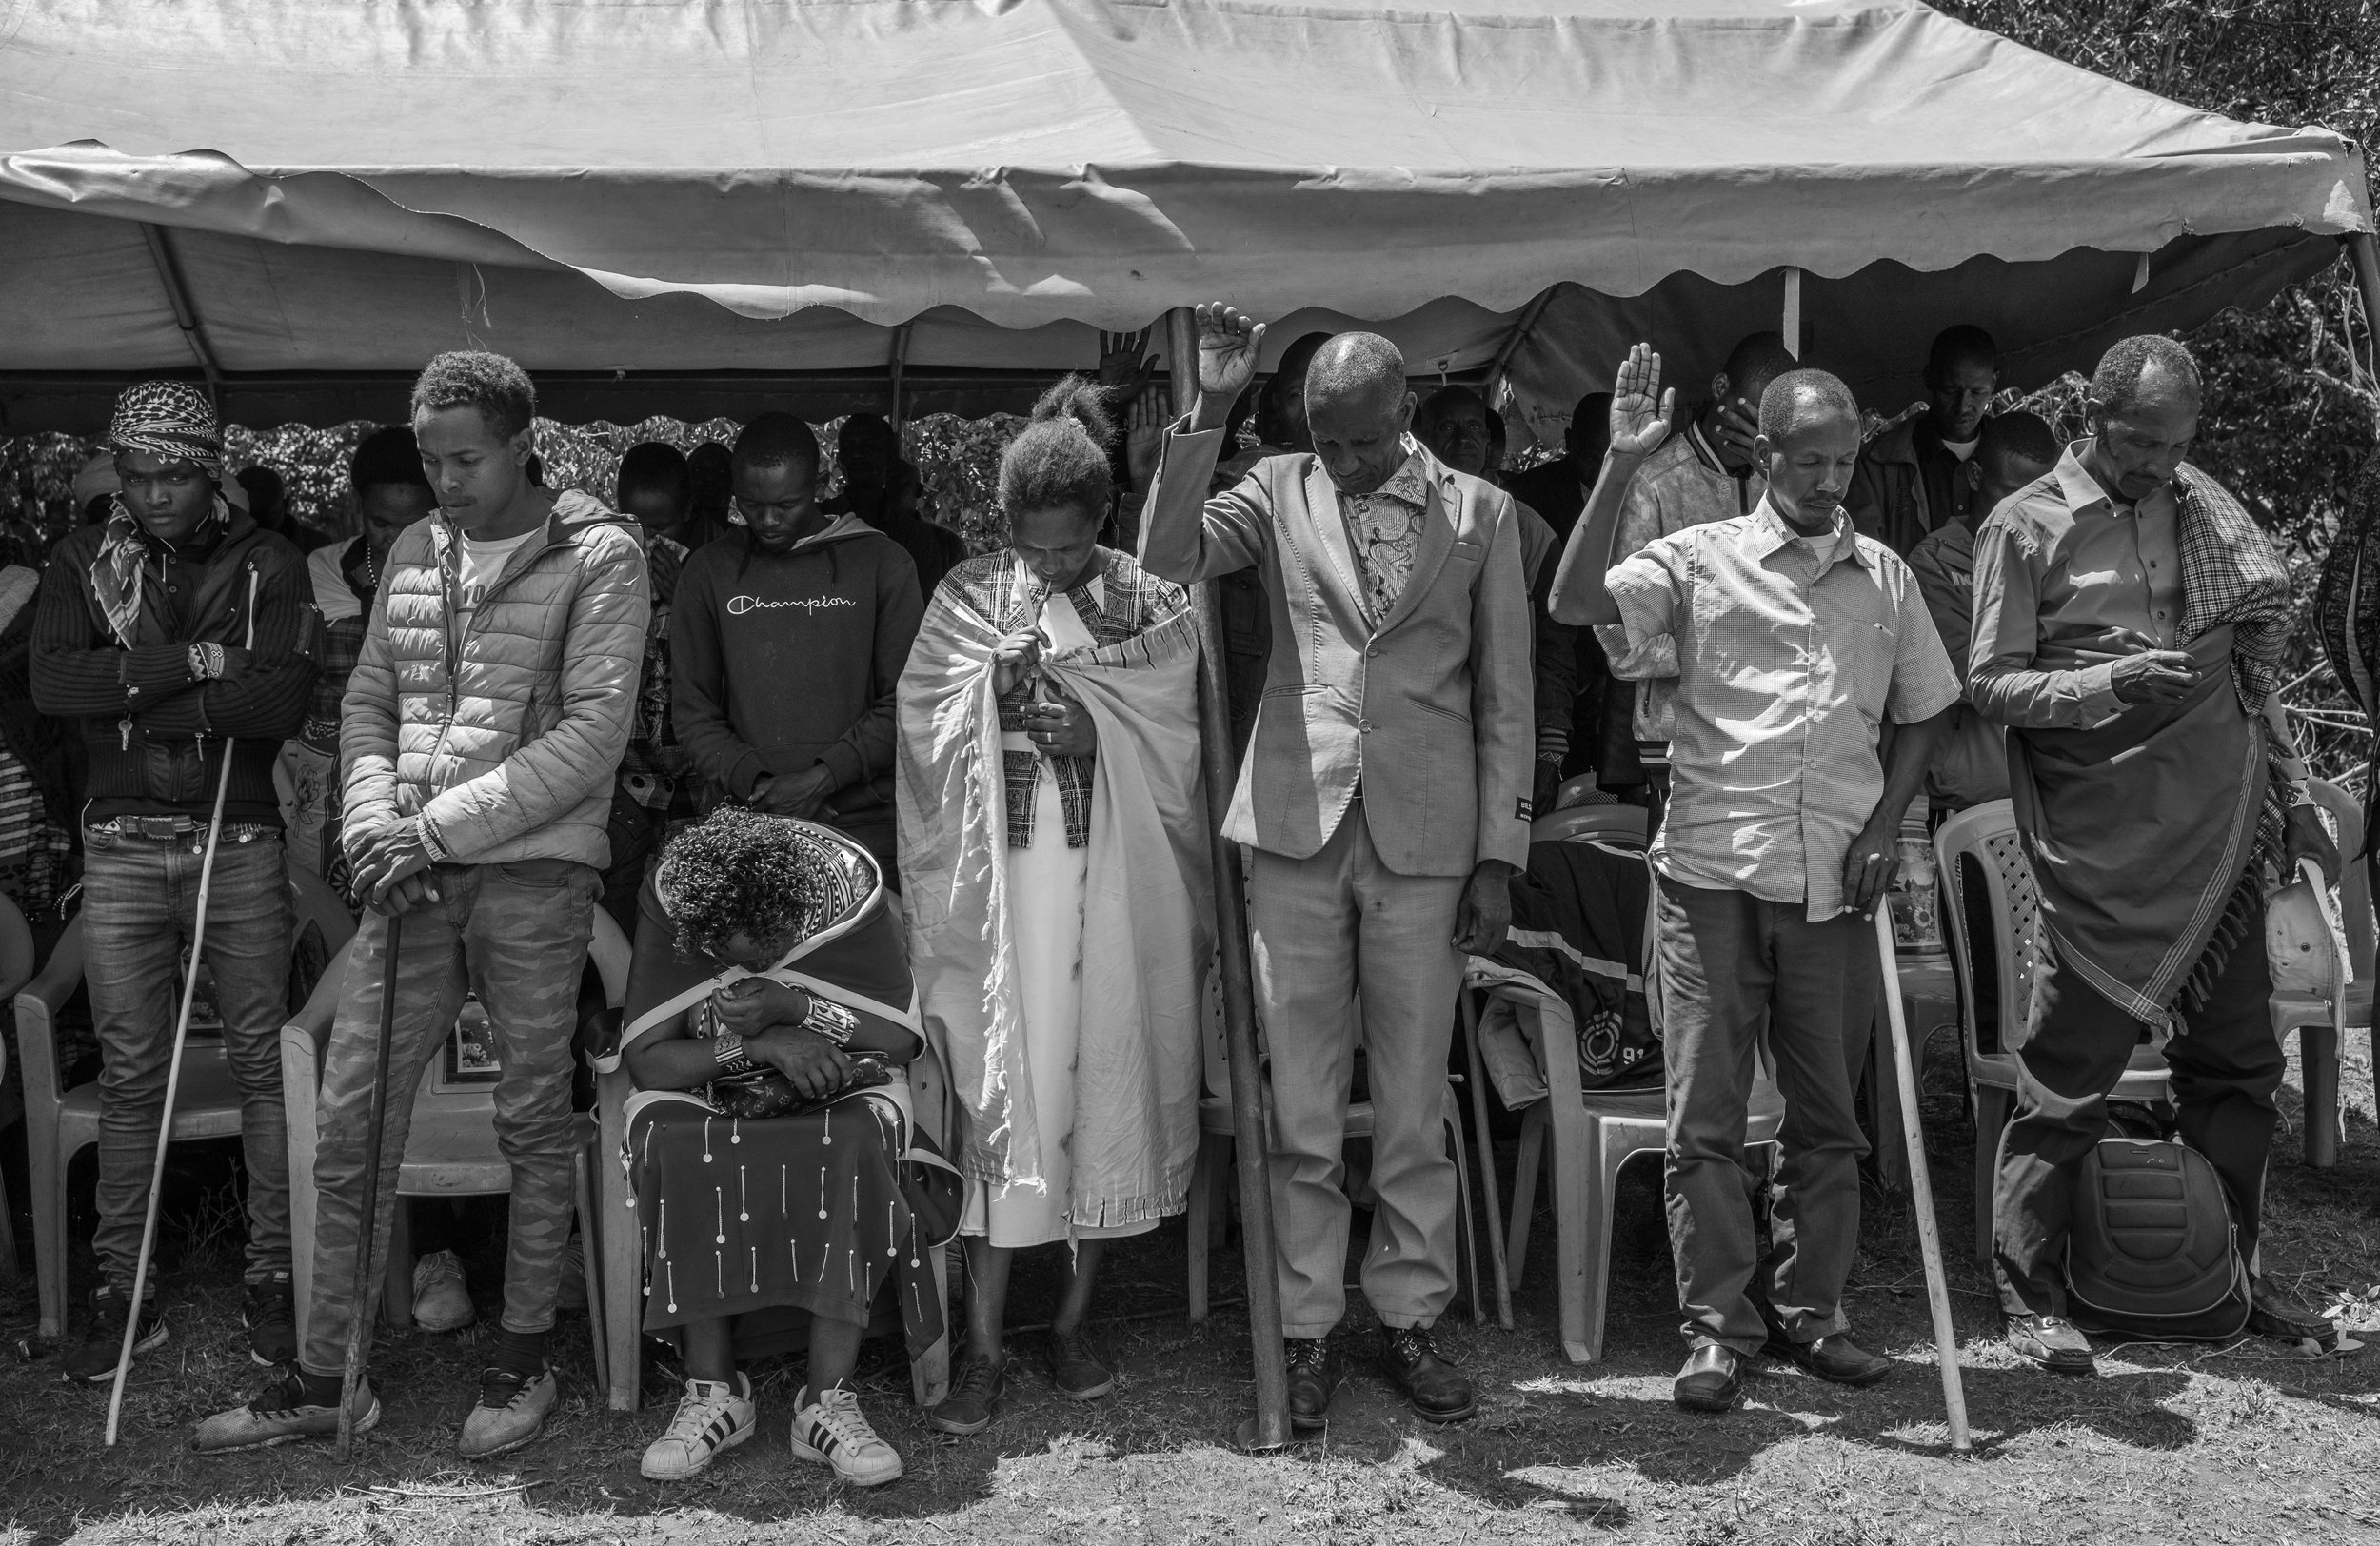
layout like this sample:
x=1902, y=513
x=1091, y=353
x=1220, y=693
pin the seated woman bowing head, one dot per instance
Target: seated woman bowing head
x=1053, y=838
x=770, y=1021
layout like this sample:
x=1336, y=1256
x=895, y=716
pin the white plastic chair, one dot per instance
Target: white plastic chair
x=449, y=1150
x=1983, y=840
x=2312, y=1016
x=1212, y=1175
x=60, y=1123
x=1582, y=1138
x=1574, y=823
x=16, y=969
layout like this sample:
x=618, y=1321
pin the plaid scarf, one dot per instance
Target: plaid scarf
x=2231, y=573
x=168, y=419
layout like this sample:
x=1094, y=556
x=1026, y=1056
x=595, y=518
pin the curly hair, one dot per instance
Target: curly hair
x=1060, y=460
x=388, y=455
x=471, y=378
x=740, y=872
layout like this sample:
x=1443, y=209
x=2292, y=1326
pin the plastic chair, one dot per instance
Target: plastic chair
x=1583, y=1137
x=622, y=1255
x=2313, y=1017
x=1578, y=822
x=17, y=964
x=1212, y=1172
x=449, y=1150
x=60, y=1123
x=1984, y=838
x=1581, y=791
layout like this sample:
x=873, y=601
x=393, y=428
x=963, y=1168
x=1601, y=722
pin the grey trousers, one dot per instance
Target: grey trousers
x=1326, y=928
x=1731, y=963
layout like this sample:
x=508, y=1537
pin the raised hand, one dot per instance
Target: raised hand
x=1641, y=410
x=1124, y=364
x=1144, y=437
x=1227, y=348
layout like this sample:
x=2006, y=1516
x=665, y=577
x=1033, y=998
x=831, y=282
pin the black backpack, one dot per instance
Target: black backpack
x=2152, y=1252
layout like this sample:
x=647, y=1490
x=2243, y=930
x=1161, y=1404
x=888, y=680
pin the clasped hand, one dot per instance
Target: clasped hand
x=768, y=1014
x=393, y=869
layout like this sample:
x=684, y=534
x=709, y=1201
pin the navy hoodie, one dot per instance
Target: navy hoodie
x=779, y=662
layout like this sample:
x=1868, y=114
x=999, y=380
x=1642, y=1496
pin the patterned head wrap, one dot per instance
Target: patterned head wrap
x=172, y=419
x=168, y=419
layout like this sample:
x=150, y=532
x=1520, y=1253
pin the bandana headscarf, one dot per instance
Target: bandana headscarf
x=168, y=419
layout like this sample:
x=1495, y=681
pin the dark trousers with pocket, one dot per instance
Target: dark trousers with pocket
x=2226, y=1067
x=1730, y=965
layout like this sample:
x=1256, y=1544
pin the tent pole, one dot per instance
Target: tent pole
x=899, y=366
x=185, y=315
x=1269, y=1429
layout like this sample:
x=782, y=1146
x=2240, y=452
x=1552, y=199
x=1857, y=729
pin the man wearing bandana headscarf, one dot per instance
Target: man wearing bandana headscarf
x=179, y=634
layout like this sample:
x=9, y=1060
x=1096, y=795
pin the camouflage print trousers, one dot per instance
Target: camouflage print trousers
x=515, y=935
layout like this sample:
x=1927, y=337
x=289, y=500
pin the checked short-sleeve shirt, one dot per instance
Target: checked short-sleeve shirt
x=1792, y=652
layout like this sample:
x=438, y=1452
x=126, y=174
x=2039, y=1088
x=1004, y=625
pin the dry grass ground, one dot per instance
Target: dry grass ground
x=2171, y=1445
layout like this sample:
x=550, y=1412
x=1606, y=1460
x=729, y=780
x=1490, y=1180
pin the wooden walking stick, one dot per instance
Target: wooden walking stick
x=1921, y=1186
x=173, y=1068
x=367, y=1236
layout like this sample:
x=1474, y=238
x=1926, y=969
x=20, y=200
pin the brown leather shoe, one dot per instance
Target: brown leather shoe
x=1836, y=1359
x=1314, y=1376
x=1713, y=1378
x=1439, y=1390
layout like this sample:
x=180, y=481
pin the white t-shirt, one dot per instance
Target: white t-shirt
x=1962, y=448
x=480, y=562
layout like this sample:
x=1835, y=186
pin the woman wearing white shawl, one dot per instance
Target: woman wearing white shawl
x=1054, y=843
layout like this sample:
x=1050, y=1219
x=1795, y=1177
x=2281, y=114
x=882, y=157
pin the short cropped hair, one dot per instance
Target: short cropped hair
x=1957, y=346
x=2018, y=434
x=2115, y=385
x=388, y=455
x=1444, y=399
x=472, y=378
x=776, y=440
x=1060, y=461
x=658, y=466
x=1758, y=359
x=739, y=872
x=1357, y=363
x=1792, y=397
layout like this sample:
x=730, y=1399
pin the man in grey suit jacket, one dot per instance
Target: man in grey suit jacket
x=1386, y=795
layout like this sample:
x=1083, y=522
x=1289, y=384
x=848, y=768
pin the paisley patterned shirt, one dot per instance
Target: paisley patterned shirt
x=1383, y=528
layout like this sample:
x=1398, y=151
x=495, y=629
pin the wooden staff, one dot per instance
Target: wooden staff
x=1269, y=1429
x=1921, y=1185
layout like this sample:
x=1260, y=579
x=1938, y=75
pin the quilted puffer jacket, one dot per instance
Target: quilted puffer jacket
x=505, y=736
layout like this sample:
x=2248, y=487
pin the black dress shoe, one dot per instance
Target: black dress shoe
x=1439, y=1390
x=2269, y=1315
x=1713, y=1378
x=1836, y=1359
x=1314, y=1374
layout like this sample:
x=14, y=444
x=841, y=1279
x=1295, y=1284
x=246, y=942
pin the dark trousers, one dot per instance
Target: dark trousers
x=1730, y=965
x=2227, y=1064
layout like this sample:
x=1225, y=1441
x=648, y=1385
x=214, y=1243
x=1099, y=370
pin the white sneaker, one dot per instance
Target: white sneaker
x=830, y=1431
x=441, y=1301
x=712, y=1415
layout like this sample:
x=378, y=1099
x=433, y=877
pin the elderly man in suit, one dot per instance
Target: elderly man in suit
x=1386, y=797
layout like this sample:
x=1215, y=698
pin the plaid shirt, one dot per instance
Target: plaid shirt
x=1792, y=652
x=1116, y=599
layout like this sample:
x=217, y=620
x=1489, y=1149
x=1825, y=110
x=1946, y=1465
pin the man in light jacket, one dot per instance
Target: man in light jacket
x=479, y=732
x=1386, y=795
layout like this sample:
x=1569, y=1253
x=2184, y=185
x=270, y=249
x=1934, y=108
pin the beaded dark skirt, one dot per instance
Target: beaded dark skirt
x=766, y=1223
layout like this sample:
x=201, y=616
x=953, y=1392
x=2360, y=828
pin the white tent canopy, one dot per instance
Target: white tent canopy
x=643, y=202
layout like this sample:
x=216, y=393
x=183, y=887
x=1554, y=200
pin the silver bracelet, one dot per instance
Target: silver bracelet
x=727, y=1051
x=831, y=1020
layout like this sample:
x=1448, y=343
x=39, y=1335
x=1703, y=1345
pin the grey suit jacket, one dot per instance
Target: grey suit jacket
x=1431, y=712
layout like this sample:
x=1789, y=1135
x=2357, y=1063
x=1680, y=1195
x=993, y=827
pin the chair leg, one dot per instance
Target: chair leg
x=1609, y=1151
x=2319, y=1051
x=1467, y=1264
x=929, y=1375
x=1525, y=1192
x=1991, y=1109
x=1194, y=1242
x=9, y=1273
x=1487, y=1160
x=50, y=1229
x=591, y=1267
x=396, y=1293
x=1578, y=1213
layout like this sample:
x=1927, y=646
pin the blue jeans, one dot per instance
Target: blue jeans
x=516, y=934
x=140, y=906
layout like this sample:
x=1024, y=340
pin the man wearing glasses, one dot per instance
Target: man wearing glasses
x=786, y=643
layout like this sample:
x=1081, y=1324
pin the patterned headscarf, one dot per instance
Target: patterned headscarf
x=169, y=419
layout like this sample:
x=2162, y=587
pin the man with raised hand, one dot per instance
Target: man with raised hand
x=1796, y=640
x=2130, y=621
x=480, y=728
x=1386, y=795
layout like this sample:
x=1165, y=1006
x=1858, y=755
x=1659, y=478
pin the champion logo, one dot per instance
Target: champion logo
x=739, y=604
